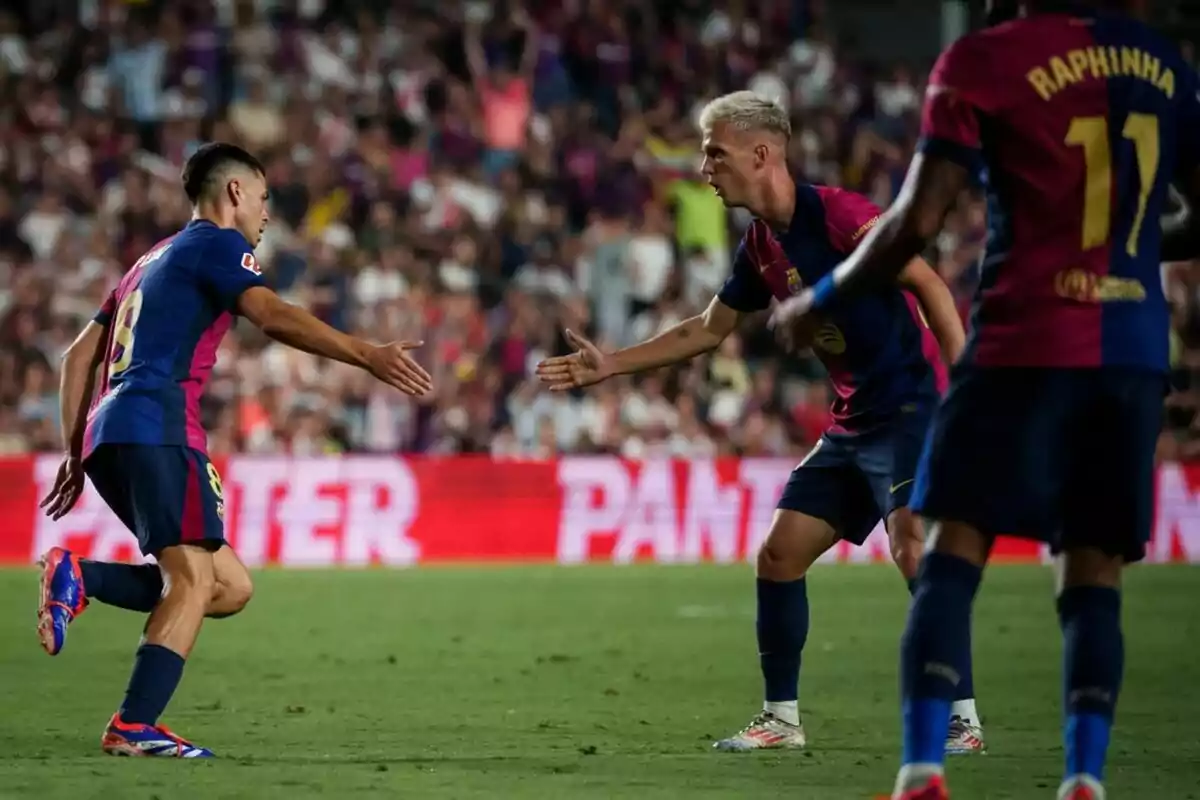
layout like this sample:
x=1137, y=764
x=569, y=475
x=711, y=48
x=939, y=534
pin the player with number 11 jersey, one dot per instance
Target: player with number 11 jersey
x=1078, y=117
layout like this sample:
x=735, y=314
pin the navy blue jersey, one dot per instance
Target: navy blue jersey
x=1079, y=122
x=878, y=348
x=165, y=321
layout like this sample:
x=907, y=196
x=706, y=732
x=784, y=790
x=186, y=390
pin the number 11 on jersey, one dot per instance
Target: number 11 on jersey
x=1091, y=133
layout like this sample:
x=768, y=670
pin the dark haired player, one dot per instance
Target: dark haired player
x=885, y=366
x=1081, y=120
x=154, y=343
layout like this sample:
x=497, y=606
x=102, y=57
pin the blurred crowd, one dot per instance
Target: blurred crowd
x=477, y=176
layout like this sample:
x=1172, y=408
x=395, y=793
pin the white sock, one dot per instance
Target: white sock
x=788, y=711
x=914, y=776
x=966, y=710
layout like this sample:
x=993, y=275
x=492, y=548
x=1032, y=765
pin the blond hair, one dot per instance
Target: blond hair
x=746, y=111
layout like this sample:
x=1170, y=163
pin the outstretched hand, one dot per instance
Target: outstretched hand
x=392, y=364
x=585, y=367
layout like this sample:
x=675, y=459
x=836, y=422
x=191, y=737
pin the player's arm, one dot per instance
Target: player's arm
x=743, y=293
x=848, y=218
x=295, y=327
x=930, y=191
x=76, y=386
x=77, y=383
x=681, y=342
x=938, y=304
x=589, y=365
x=948, y=158
x=231, y=276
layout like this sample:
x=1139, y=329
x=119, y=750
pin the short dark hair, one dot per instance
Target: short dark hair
x=209, y=163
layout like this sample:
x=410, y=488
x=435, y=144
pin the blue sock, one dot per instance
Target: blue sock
x=782, y=631
x=966, y=682
x=931, y=653
x=1093, y=659
x=134, y=587
x=156, y=673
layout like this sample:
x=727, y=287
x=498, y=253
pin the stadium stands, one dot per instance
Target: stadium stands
x=476, y=186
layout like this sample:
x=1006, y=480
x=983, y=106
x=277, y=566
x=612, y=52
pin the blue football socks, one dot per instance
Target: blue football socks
x=1093, y=660
x=134, y=587
x=966, y=682
x=782, y=631
x=156, y=674
x=935, y=653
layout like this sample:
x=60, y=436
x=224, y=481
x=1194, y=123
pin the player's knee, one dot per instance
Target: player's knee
x=960, y=540
x=1087, y=566
x=906, y=538
x=187, y=572
x=793, y=544
x=770, y=563
x=234, y=586
x=234, y=594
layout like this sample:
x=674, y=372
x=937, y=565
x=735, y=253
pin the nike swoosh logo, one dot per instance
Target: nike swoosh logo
x=897, y=487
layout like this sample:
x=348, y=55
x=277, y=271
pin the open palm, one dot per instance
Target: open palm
x=585, y=367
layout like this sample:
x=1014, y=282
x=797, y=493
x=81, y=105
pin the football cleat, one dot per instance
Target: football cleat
x=964, y=737
x=63, y=598
x=934, y=788
x=1081, y=787
x=136, y=739
x=765, y=732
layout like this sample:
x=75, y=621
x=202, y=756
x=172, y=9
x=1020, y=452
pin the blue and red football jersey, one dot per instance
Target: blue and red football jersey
x=877, y=348
x=1077, y=123
x=165, y=321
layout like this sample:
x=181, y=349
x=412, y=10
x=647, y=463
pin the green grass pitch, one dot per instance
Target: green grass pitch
x=600, y=682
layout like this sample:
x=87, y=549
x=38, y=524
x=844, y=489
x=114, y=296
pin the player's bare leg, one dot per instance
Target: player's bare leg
x=1089, y=612
x=793, y=545
x=935, y=652
x=233, y=587
x=171, y=631
x=906, y=538
x=68, y=583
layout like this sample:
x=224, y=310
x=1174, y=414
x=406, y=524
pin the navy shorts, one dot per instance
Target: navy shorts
x=166, y=494
x=1061, y=456
x=853, y=480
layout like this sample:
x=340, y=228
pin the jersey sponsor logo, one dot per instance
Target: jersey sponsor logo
x=1087, y=287
x=866, y=226
x=250, y=263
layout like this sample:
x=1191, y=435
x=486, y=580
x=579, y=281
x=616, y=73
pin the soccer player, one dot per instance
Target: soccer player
x=154, y=343
x=1081, y=118
x=886, y=370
